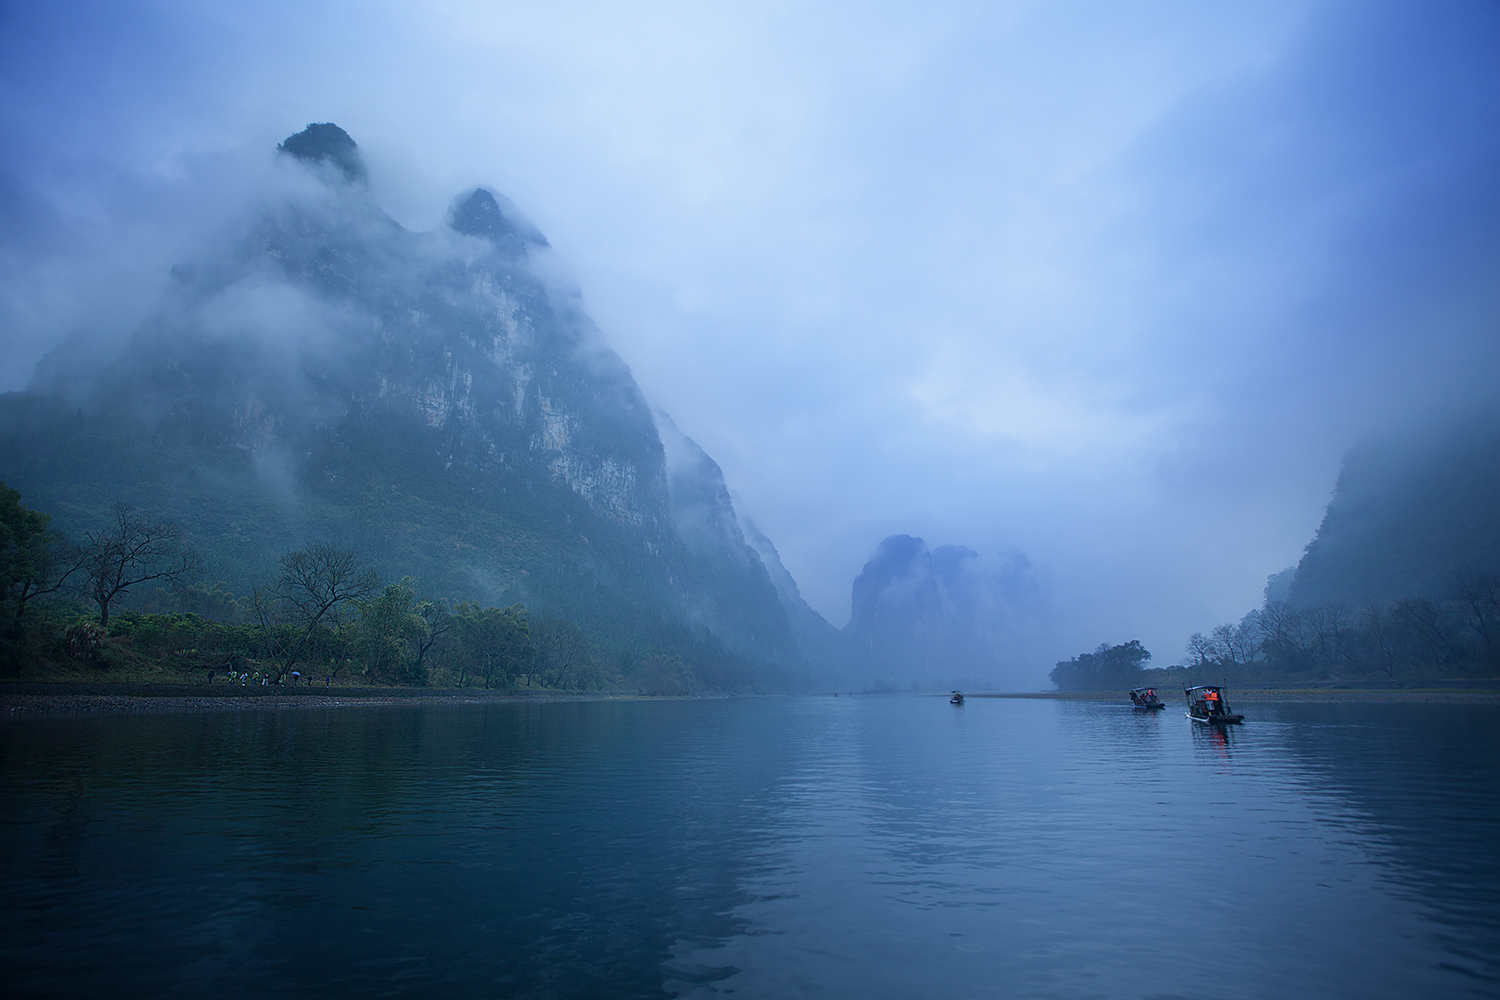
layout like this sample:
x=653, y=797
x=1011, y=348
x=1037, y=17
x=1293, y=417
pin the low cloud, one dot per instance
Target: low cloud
x=1118, y=287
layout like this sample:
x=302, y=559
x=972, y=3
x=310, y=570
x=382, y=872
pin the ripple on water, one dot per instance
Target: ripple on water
x=871, y=846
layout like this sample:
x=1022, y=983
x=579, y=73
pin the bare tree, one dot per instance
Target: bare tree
x=1330, y=626
x=136, y=548
x=1202, y=649
x=1244, y=642
x=1428, y=622
x=1380, y=637
x=1225, y=648
x=1477, y=597
x=1283, y=632
x=316, y=586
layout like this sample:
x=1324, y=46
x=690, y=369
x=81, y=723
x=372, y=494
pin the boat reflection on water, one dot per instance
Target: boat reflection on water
x=1219, y=740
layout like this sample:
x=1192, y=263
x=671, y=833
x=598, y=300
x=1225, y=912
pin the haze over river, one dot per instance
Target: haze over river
x=872, y=846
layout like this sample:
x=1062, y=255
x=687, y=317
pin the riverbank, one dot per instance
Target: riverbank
x=29, y=699
x=98, y=698
x=1468, y=696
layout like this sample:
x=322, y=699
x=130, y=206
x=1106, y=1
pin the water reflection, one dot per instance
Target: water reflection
x=883, y=847
x=1214, y=742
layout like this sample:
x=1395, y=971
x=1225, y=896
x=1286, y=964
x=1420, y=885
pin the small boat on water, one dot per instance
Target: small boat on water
x=957, y=699
x=1206, y=704
x=1145, y=699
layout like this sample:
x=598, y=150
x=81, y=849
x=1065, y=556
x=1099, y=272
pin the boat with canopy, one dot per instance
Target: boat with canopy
x=1146, y=700
x=1206, y=704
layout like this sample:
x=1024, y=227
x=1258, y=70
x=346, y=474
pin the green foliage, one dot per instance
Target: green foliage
x=493, y=645
x=383, y=488
x=326, y=612
x=662, y=673
x=1106, y=667
x=28, y=563
x=564, y=655
x=389, y=633
x=217, y=603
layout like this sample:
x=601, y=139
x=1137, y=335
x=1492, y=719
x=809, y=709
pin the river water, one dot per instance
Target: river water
x=877, y=846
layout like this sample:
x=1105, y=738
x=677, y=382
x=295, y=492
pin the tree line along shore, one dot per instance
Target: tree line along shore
x=1412, y=643
x=1413, y=695
x=124, y=604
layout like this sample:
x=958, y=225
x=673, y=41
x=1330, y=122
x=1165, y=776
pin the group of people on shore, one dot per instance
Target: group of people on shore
x=255, y=677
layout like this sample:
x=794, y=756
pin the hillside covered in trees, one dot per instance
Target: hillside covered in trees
x=1406, y=516
x=438, y=401
x=322, y=616
x=1401, y=585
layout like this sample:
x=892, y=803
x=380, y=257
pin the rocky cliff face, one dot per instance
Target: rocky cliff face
x=439, y=398
x=822, y=645
x=732, y=592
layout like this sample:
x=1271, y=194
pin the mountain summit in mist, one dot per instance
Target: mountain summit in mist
x=1404, y=517
x=438, y=399
x=327, y=143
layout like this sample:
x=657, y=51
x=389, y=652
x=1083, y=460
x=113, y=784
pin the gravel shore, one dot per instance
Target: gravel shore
x=30, y=700
x=100, y=699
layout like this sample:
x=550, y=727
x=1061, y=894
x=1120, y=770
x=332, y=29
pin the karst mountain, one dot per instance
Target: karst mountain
x=441, y=400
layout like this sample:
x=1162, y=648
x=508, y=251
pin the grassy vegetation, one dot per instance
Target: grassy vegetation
x=64, y=644
x=461, y=533
x=384, y=634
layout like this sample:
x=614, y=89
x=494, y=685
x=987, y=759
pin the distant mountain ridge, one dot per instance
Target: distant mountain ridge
x=436, y=398
x=931, y=618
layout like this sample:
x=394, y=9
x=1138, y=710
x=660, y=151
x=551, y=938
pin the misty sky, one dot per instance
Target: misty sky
x=1116, y=284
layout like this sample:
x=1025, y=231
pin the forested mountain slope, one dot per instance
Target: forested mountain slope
x=1404, y=517
x=440, y=400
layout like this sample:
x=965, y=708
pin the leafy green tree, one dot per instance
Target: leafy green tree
x=494, y=644
x=564, y=655
x=316, y=588
x=664, y=673
x=1106, y=667
x=216, y=603
x=436, y=623
x=29, y=566
x=390, y=628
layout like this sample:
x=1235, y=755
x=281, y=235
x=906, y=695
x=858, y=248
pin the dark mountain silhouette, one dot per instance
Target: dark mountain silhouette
x=327, y=143
x=1404, y=517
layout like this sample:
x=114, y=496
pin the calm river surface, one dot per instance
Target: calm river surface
x=778, y=847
